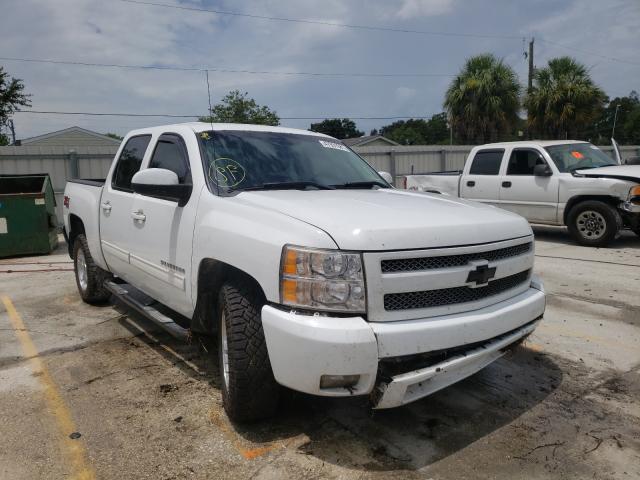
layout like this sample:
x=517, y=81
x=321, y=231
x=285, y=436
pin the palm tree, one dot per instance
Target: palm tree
x=563, y=101
x=482, y=102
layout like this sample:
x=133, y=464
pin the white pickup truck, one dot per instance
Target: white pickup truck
x=313, y=273
x=548, y=182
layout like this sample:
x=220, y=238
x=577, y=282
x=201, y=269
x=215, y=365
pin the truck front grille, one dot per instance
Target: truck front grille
x=446, y=261
x=452, y=296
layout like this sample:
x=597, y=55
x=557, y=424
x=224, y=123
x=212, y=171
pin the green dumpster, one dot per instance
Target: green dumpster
x=28, y=223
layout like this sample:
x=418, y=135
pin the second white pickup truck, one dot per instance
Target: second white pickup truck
x=313, y=273
x=548, y=182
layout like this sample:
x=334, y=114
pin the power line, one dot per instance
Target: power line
x=326, y=23
x=585, y=52
x=169, y=115
x=220, y=70
x=94, y=64
x=368, y=27
x=108, y=114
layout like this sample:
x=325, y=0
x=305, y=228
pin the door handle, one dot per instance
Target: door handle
x=506, y=184
x=106, y=206
x=138, y=216
x=471, y=183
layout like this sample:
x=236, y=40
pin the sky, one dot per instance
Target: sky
x=121, y=32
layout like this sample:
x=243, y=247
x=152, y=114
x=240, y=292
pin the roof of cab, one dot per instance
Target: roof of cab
x=529, y=143
x=204, y=126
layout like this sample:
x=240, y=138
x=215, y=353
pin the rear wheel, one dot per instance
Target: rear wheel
x=249, y=390
x=89, y=277
x=594, y=223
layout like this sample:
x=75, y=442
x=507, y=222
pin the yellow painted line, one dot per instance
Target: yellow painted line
x=73, y=450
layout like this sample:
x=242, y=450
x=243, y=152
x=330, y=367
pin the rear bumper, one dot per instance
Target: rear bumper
x=303, y=348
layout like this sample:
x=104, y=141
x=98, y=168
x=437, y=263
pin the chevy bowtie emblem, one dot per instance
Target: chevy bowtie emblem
x=481, y=275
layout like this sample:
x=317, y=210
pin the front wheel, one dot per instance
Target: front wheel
x=90, y=278
x=249, y=390
x=593, y=223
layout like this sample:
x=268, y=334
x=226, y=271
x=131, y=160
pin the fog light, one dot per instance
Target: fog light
x=339, y=381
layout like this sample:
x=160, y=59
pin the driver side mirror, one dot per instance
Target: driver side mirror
x=161, y=183
x=542, y=170
x=387, y=177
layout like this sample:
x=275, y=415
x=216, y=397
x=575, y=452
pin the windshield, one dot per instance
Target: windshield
x=241, y=160
x=574, y=156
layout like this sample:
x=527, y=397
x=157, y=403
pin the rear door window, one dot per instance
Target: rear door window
x=129, y=162
x=486, y=162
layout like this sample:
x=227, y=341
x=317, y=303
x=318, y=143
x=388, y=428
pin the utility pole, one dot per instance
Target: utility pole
x=13, y=132
x=530, y=82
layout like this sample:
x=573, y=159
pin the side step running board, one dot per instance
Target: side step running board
x=144, y=305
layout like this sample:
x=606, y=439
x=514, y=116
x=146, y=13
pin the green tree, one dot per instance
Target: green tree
x=115, y=136
x=563, y=102
x=626, y=129
x=418, y=131
x=406, y=132
x=237, y=107
x=483, y=100
x=337, y=127
x=12, y=97
x=632, y=127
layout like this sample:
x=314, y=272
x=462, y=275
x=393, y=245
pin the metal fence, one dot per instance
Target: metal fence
x=94, y=162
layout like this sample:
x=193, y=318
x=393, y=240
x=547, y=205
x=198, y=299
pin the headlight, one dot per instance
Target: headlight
x=634, y=194
x=328, y=280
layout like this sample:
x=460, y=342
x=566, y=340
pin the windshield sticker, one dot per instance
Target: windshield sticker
x=226, y=172
x=205, y=136
x=577, y=155
x=335, y=146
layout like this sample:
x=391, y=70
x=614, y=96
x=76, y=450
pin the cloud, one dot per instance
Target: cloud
x=423, y=8
x=117, y=32
x=605, y=29
x=405, y=93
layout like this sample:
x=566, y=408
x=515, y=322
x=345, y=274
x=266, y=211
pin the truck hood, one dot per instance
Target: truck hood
x=389, y=219
x=621, y=172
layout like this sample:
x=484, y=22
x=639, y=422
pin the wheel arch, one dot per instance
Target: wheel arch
x=573, y=201
x=76, y=227
x=212, y=274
